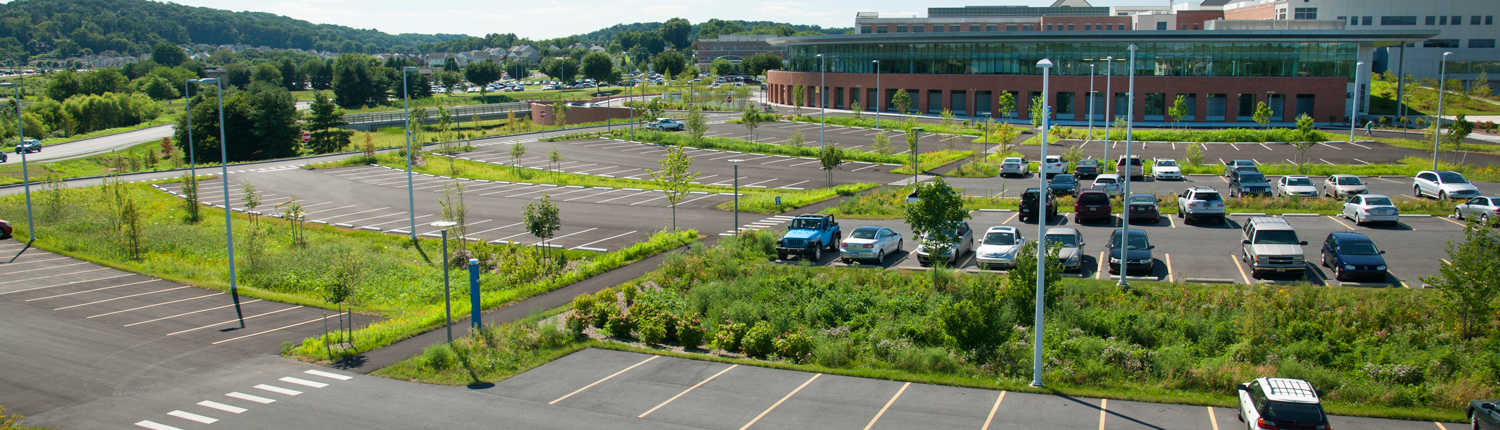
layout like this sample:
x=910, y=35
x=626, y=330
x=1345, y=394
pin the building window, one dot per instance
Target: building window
x=1195, y=26
x=1305, y=13
x=900, y=29
x=1401, y=20
x=973, y=27
x=918, y=28
x=990, y=27
x=1010, y=27
x=1049, y=27
x=865, y=29
x=1440, y=43
x=1353, y=20
x=937, y=29
x=1431, y=20
x=1489, y=20
x=1087, y=27
x=1281, y=14
x=1474, y=20
x=1366, y=20
x=1070, y=27
x=882, y=29
x=1443, y=21
x=1161, y=25
x=1109, y=26
x=1458, y=20
x=1481, y=43
x=953, y=29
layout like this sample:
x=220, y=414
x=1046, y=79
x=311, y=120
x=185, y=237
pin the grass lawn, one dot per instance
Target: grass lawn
x=1389, y=353
x=927, y=160
x=1426, y=145
x=128, y=160
x=1187, y=135
x=385, y=275
x=1408, y=167
x=465, y=99
x=1422, y=101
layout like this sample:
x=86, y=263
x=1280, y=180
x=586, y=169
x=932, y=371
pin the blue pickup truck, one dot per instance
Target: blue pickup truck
x=809, y=235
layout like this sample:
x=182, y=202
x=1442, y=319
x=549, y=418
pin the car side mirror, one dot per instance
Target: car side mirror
x=1304, y=243
x=1150, y=246
x=1082, y=243
x=1243, y=387
x=1382, y=251
x=1487, y=405
x=1245, y=242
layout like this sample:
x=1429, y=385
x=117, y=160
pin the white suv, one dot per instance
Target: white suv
x=1272, y=403
x=1053, y=165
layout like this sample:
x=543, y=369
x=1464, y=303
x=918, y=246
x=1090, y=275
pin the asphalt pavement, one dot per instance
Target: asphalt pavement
x=94, y=145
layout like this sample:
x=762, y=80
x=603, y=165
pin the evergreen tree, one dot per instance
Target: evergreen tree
x=325, y=125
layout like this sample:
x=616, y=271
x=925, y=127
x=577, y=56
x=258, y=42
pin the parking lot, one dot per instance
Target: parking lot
x=673, y=391
x=375, y=198
x=843, y=137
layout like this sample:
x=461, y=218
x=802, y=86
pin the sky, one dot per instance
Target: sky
x=545, y=19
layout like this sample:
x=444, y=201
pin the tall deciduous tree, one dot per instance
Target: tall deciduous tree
x=354, y=81
x=599, y=67
x=260, y=123
x=697, y=124
x=482, y=73
x=542, y=219
x=1471, y=281
x=902, y=101
x=669, y=63
x=325, y=125
x=1007, y=104
x=674, y=178
x=268, y=73
x=319, y=74
x=759, y=63
x=675, y=32
x=449, y=79
x=935, y=216
x=168, y=54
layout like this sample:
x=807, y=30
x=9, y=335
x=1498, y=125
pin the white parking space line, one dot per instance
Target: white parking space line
x=93, y=290
x=697, y=199
x=354, y=213
x=591, y=195
x=792, y=184
x=187, y=313
x=230, y=321
x=663, y=196
x=607, y=238
x=799, y=164
x=316, y=372
x=863, y=168
x=496, y=228
x=155, y=426
x=250, y=397
x=221, y=406
x=304, y=382
x=326, y=210
x=121, y=297
x=152, y=306
x=761, y=182
x=193, y=417
x=46, y=268
x=566, y=235
x=268, y=331
x=277, y=390
x=620, y=197
x=374, y=217
x=396, y=221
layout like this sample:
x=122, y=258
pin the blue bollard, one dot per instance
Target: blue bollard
x=474, y=308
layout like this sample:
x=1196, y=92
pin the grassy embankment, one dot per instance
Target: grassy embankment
x=1389, y=353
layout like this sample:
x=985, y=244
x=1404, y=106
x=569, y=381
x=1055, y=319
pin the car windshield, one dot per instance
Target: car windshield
x=1452, y=178
x=1166, y=163
x=1208, y=196
x=1299, y=181
x=1064, y=240
x=1063, y=179
x=1252, y=177
x=1294, y=412
x=1276, y=237
x=1142, y=199
x=863, y=233
x=1136, y=241
x=1350, y=180
x=1377, y=201
x=1000, y=238
x=809, y=224
x=1358, y=248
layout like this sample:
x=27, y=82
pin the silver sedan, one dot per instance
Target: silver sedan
x=870, y=243
x=1338, y=186
x=1371, y=208
x=1071, y=243
x=1483, y=208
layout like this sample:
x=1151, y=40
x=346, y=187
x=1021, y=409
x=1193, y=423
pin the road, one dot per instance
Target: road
x=95, y=145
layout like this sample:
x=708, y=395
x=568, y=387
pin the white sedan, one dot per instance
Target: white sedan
x=1296, y=186
x=1371, y=208
x=1166, y=169
x=1053, y=165
x=870, y=243
x=1014, y=166
x=1000, y=248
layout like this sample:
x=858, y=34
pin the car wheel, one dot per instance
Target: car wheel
x=1458, y=214
x=900, y=244
x=880, y=257
x=818, y=253
x=1338, y=273
x=1076, y=221
x=834, y=245
x=1484, y=219
x=845, y=260
x=1442, y=195
x=1416, y=191
x=1473, y=422
x=1324, y=259
x=781, y=256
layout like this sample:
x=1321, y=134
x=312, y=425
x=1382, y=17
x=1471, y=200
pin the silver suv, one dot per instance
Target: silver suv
x=1199, y=203
x=1270, y=245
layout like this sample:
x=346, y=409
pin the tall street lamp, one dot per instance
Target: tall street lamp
x=914, y=157
x=187, y=92
x=1437, y=131
x=1125, y=196
x=1091, y=103
x=411, y=200
x=1041, y=231
x=877, y=93
x=822, y=102
x=1354, y=107
x=1108, y=88
x=228, y=221
x=736, y=162
x=447, y=299
x=25, y=176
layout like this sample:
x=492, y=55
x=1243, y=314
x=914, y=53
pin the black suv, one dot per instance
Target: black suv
x=1248, y=183
x=1028, y=204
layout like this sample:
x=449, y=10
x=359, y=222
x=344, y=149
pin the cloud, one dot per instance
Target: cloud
x=792, y=9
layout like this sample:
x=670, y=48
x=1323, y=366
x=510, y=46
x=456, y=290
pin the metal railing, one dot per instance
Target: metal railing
x=456, y=112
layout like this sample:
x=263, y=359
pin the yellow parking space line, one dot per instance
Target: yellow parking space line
x=1336, y=219
x=705, y=381
x=987, y=420
x=778, y=402
x=1012, y=216
x=1226, y=181
x=1445, y=261
x=606, y=378
x=1171, y=223
x=887, y=406
x=1103, y=265
x=1168, y=257
x=1440, y=425
x=1241, y=267
x=1452, y=221
x=1103, y=411
x=1384, y=179
x=1398, y=278
x=1211, y=418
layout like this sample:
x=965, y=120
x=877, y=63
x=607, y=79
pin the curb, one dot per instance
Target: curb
x=1299, y=214
x=1416, y=215
x=1248, y=214
x=1208, y=280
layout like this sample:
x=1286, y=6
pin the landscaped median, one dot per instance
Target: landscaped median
x=1185, y=135
x=927, y=160
x=136, y=228
x=1408, y=167
x=1390, y=353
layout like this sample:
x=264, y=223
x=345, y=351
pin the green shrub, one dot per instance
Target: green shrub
x=630, y=291
x=577, y=322
x=438, y=357
x=603, y=312
x=759, y=341
x=794, y=345
x=728, y=336
x=653, y=330
x=689, y=331
x=584, y=304
x=620, y=324
x=833, y=353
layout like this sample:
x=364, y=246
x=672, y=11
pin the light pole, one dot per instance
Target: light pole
x=1108, y=88
x=187, y=91
x=1437, y=126
x=1041, y=231
x=447, y=300
x=1354, y=107
x=914, y=167
x=411, y=199
x=25, y=176
x=1125, y=196
x=736, y=194
x=228, y=221
x=1091, y=104
x=822, y=102
x=877, y=93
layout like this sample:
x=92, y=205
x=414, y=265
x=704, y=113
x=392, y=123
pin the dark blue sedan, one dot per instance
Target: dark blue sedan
x=1353, y=256
x=1063, y=185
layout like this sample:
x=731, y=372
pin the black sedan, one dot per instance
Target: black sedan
x=1484, y=414
x=1063, y=185
x=1353, y=256
x=1137, y=252
x=1088, y=168
x=1144, y=207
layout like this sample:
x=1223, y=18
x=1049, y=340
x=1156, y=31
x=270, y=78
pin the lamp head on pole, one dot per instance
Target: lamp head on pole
x=1133, y=47
x=443, y=224
x=1045, y=63
x=409, y=69
x=7, y=84
x=209, y=81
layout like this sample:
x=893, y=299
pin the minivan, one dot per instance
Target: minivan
x=1092, y=205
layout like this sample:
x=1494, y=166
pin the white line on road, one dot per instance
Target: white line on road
x=316, y=372
x=221, y=406
x=566, y=235
x=277, y=390
x=250, y=397
x=150, y=306
x=271, y=330
x=604, y=239
x=187, y=313
x=154, y=426
x=193, y=417
x=230, y=321
x=300, y=381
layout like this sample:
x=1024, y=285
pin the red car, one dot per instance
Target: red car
x=1092, y=205
x=4, y=229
